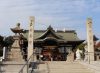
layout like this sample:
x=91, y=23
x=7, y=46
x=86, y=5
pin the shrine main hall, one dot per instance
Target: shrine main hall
x=51, y=45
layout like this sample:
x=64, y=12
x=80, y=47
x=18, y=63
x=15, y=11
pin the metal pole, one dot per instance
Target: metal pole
x=27, y=67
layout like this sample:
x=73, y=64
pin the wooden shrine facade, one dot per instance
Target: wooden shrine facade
x=53, y=45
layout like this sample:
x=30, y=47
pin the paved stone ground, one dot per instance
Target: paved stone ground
x=93, y=65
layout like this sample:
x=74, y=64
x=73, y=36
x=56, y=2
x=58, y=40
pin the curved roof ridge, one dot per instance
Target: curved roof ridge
x=49, y=29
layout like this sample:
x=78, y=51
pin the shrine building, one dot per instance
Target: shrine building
x=51, y=45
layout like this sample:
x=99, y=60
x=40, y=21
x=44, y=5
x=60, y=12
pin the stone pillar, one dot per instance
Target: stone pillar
x=30, y=38
x=90, y=40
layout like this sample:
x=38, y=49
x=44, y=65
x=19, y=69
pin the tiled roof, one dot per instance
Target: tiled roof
x=68, y=35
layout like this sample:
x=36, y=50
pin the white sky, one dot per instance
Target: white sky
x=60, y=14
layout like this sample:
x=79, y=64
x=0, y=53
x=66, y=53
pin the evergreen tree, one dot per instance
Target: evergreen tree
x=8, y=41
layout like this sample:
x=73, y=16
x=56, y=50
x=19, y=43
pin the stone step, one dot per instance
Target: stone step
x=12, y=67
x=48, y=67
x=63, y=67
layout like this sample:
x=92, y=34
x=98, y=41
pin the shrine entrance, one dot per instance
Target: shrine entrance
x=53, y=47
x=51, y=53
